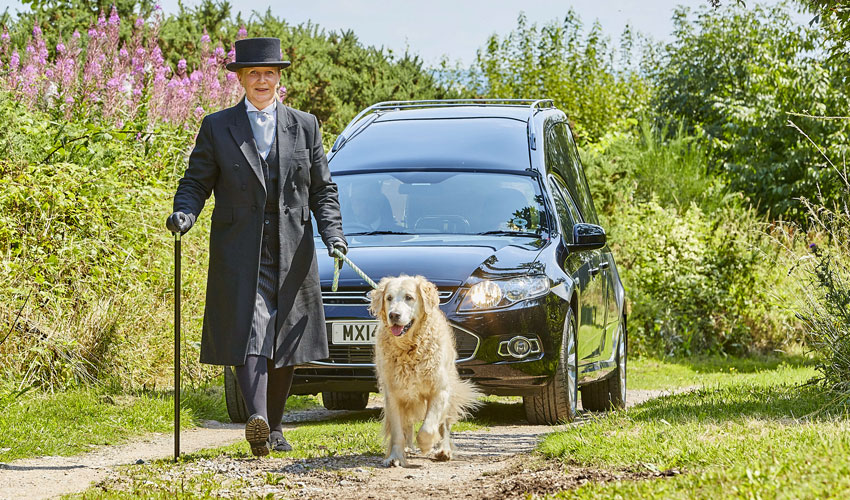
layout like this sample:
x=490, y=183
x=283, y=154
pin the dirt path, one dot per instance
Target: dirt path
x=491, y=463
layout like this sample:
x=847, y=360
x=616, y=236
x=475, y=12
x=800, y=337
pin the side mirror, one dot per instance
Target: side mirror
x=587, y=237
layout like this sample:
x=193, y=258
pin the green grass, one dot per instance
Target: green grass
x=753, y=432
x=649, y=373
x=74, y=421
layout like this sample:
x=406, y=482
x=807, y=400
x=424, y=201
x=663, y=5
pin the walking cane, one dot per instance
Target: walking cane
x=176, y=345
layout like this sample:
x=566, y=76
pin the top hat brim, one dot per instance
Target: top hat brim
x=233, y=66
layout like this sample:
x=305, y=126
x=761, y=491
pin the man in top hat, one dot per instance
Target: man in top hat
x=267, y=167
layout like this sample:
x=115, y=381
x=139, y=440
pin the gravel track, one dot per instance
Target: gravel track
x=492, y=463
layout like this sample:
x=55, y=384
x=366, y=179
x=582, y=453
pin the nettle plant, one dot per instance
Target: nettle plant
x=96, y=76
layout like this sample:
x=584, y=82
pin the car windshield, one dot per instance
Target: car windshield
x=440, y=202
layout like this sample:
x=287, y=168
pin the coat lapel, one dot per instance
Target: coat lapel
x=287, y=137
x=241, y=131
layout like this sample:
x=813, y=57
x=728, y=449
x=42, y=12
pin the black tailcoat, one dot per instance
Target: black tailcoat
x=225, y=161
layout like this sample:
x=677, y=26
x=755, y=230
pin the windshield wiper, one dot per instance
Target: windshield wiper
x=510, y=233
x=370, y=233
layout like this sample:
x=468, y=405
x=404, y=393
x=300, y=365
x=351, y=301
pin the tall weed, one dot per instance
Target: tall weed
x=825, y=299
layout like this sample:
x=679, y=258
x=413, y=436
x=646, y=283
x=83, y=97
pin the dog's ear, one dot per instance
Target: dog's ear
x=376, y=304
x=428, y=292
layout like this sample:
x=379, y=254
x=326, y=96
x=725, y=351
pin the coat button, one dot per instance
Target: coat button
x=254, y=208
x=244, y=187
x=285, y=210
x=235, y=165
x=267, y=222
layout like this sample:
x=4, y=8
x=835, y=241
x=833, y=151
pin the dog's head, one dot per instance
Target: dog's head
x=401, y=302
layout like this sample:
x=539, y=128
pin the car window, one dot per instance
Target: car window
x=420, y=202
x=567, y=211
x=574, y=171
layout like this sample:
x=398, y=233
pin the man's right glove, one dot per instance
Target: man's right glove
x=179, y=222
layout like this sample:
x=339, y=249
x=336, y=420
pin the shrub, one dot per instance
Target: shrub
x=825, y=298
x=699, y=269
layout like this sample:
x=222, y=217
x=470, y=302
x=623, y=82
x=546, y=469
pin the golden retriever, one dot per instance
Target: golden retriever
x=415, y=364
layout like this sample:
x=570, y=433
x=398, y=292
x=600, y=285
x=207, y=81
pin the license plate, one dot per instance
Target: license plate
x=354, y=332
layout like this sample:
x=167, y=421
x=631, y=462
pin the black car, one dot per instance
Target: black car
x=488, y=200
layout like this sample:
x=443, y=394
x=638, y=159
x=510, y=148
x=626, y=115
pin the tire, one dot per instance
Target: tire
x=333, y=400
x=556, y=403
x=236, y=408
x=609, y=393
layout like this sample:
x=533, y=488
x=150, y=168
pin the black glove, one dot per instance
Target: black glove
x=338, y=243
x=179, y=222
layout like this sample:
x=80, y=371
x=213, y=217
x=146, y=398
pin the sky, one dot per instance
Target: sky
x=454, y=28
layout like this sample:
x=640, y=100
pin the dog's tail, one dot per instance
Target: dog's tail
x=464, y=399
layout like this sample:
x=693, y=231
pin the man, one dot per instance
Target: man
x=267, y=167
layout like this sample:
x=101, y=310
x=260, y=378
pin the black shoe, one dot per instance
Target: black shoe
x=278, y=443
x=257, y=434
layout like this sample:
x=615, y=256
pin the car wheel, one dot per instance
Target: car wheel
x=557, y=401
x=609, y=393
x=345, y=400
x=236, y=408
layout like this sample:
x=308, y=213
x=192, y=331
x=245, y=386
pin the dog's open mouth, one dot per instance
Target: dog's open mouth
x=399, y=330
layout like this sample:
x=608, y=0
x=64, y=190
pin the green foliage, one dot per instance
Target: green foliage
x=698, y=270
x=576, y=69
x=83, y=255
x=824, y=303
x=833, y=16
x=333, y=75
x=734, y=76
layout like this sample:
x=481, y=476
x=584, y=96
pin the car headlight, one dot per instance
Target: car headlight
x=489, y=294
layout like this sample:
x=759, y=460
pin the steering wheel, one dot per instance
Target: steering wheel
x=356, y=227
x=440, y=223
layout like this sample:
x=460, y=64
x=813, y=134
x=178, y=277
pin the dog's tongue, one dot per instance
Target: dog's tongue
x=396, y=329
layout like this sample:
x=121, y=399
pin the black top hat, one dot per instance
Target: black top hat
x=252, y=52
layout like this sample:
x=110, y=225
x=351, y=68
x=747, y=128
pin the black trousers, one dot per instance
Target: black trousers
x=265, y=388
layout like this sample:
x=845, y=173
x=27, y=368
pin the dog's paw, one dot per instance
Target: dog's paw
x=443, y=455
x=395, y=462
x=426, y=440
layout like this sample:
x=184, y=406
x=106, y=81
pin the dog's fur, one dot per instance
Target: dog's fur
x=416, y=369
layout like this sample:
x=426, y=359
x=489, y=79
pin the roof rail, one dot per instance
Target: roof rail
x=358, y=122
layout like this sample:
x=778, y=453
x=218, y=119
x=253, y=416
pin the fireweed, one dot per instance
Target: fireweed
x=94, y=76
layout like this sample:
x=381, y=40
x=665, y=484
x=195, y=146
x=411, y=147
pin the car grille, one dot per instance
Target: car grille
x=361, y=297
x=465, y=342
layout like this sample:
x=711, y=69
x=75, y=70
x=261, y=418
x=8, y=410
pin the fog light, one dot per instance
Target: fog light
x=519, y=347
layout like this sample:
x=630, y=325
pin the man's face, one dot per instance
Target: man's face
x=260, y=83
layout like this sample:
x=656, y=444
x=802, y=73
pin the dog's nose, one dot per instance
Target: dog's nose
x=394, y=317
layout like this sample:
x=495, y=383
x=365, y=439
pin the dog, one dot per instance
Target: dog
x=415, y=364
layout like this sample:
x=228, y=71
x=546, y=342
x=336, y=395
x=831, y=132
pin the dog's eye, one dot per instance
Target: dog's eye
x=389, y=298
x=408, y=297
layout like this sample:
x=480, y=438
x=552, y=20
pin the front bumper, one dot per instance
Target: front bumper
x=478, y=338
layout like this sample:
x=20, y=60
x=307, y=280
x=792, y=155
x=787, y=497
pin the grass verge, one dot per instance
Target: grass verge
x=77, y=420
x=757, y=432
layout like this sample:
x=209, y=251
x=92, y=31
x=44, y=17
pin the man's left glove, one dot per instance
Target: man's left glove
x=339, y=244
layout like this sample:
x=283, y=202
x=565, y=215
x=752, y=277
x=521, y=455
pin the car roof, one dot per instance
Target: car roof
x=448, y=135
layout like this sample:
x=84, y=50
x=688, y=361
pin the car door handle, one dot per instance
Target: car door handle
x=595, y=270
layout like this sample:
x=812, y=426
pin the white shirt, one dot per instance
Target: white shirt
x=263, y=124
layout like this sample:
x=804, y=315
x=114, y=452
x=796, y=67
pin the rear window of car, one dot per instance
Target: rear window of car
x=494, y=143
